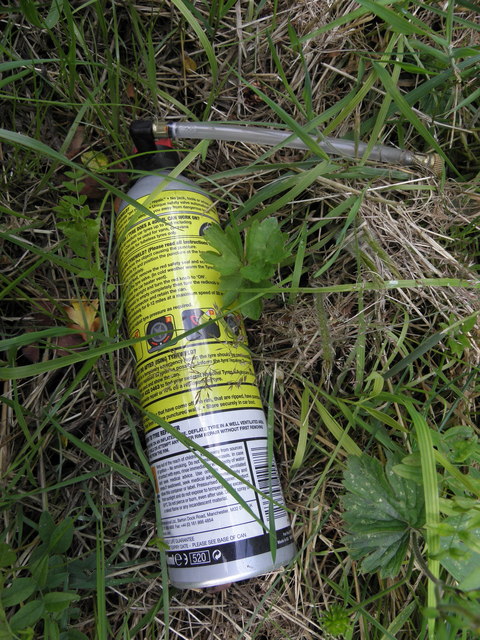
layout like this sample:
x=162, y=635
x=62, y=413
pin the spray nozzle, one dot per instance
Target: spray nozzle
x=151, y=154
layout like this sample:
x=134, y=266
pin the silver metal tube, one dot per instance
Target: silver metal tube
x=271, y=137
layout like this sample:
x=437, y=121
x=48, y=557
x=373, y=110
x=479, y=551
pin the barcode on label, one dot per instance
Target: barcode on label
x=265, y=476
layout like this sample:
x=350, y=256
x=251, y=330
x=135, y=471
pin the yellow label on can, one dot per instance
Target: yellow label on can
x=194, y=359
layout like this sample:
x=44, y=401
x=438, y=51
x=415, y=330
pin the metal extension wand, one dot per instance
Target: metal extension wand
x=271, y=137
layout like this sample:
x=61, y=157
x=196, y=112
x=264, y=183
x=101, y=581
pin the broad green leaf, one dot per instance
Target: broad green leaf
x=265, y=242
x=58, y=600
x=54, y=13
x=232, y=283
x=51, y=630
x=250, y=306
x=409, y=472
x=27, y=616
x=39, y=571
x=257, y=271
x=256, y=242
x=7, y=555
x=380, y=511
x=57, y=573
x=82, y=572
x=61, y=537
x=462, y=562
x=234, y=238
x=276, y=249
x=46, y=526
x=73, y=634
x=19, y=591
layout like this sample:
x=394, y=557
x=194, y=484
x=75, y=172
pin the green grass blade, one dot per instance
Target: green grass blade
x=394, y=21
x=352, y=214
x=204, y=40
x=101, y=620
x=305, y=408
x=425, y=346
x=407, y=111
x=432, y=504
x=97, y=455
x=351, y=16
x=272, y=532
x=349, y=446
x=299, y=258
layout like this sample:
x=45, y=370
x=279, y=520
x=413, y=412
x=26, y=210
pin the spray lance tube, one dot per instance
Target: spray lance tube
x=222, y=522
x=271, y=137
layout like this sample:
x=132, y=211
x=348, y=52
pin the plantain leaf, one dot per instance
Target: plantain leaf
x=19, y=591
x=7, y=555
x=381, y=509
x=27, y=616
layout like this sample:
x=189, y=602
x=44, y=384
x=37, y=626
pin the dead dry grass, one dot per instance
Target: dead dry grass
x=407, y=228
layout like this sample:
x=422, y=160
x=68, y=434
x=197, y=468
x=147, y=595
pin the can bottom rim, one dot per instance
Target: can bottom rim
x=264, y=566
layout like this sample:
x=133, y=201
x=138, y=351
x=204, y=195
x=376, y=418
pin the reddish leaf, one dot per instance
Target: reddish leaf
x=76, y=144
x=92, y=188
x=130, y=91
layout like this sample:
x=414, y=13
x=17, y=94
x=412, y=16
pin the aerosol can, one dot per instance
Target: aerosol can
x=194, y=371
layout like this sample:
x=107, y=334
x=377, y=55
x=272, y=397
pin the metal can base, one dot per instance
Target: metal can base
x=228, y=572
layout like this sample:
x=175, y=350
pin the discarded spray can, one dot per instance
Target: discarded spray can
x=194, y=371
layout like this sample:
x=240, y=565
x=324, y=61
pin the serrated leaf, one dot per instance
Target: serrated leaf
x=81, y=235
x=27, y=616
x=226, y=264
x=265, y=242
x=234, y=238
x=462, y=560
x=19, y=591
x=257, y=271
x=381, y=509
x=221, y=240
x=228, y=260
x=257, y=239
